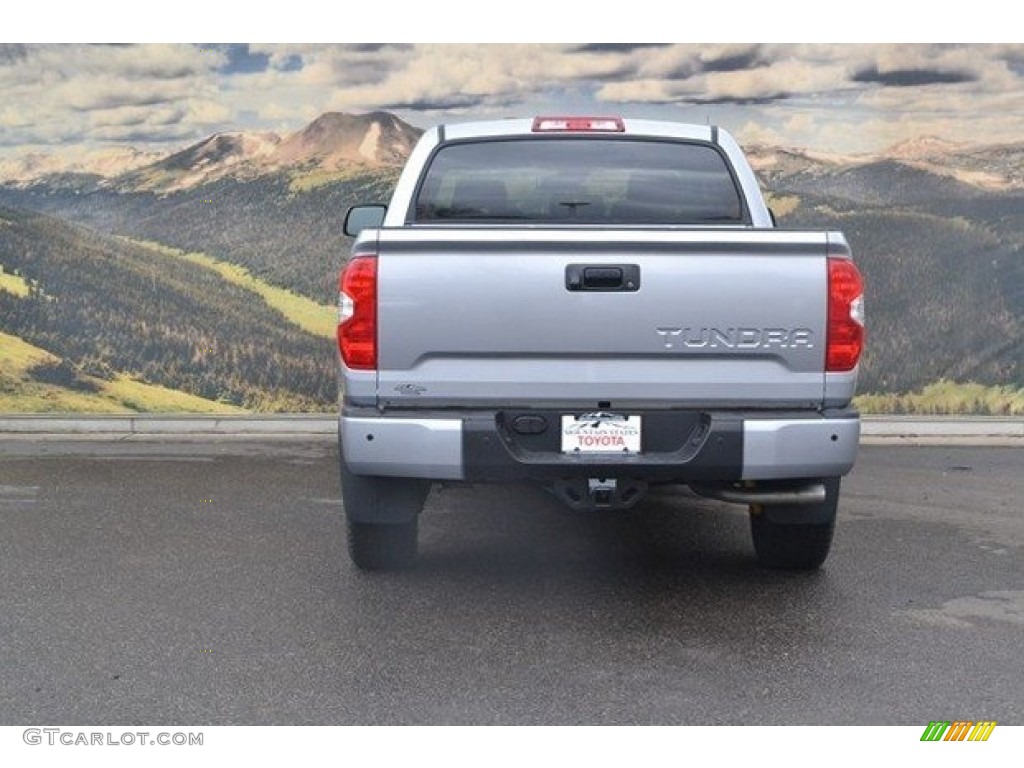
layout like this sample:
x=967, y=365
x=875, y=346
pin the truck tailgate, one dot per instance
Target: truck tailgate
x=491, y=316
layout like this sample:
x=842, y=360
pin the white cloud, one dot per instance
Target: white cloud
x=756, y=133
x=367, y=78
x=207, y=112
x=92, y=93
x=810, y=94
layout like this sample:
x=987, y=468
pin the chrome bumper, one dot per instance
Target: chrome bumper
x=778, y=449
x=433, y=448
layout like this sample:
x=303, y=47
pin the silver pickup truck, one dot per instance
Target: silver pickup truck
x=597, y=306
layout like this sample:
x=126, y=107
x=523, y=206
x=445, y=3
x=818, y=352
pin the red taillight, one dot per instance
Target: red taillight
x=357, y=313
x=845, y=316
x=599, y=124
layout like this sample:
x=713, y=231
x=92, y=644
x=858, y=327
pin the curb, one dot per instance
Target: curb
x=942, y=426
x=987, y=431
x=185, y=424
x=909, y=430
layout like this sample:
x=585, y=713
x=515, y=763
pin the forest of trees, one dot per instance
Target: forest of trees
x=945, y=287
x=292, y=239
x=107, y=306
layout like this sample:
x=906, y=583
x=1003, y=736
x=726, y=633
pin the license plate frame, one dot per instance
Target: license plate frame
x=601, y=433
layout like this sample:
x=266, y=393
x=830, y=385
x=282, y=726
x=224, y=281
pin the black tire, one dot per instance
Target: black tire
x=382, y=546
x=796, y=546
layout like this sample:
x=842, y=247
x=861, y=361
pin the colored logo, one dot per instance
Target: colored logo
x=959, y=730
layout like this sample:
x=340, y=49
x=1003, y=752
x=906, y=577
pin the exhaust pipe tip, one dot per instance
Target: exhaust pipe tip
x=805, y=493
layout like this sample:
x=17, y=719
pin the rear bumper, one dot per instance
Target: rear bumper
x=679, y=447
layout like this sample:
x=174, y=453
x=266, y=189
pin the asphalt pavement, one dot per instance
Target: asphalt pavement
x=206, y=582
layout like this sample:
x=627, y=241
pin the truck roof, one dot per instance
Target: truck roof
x=524, y=127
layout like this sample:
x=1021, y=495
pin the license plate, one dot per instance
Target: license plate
x=600, y=433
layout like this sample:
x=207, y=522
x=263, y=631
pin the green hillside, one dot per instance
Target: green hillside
x=27, y=373
x=947, y=398
x=124, y=314
x=943, y=295
x=317, y=319
x=13, y=284
x=289, y=238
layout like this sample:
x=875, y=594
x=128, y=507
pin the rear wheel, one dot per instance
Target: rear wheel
x=796, y=537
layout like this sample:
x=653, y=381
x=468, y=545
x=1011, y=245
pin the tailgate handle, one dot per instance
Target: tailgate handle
x=602, y=277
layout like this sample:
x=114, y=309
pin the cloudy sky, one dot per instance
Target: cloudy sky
x=843, y=98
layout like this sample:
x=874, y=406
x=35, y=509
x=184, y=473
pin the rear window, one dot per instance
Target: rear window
x=579, y=180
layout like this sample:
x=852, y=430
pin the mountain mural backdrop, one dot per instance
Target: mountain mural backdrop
x=205, y=279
